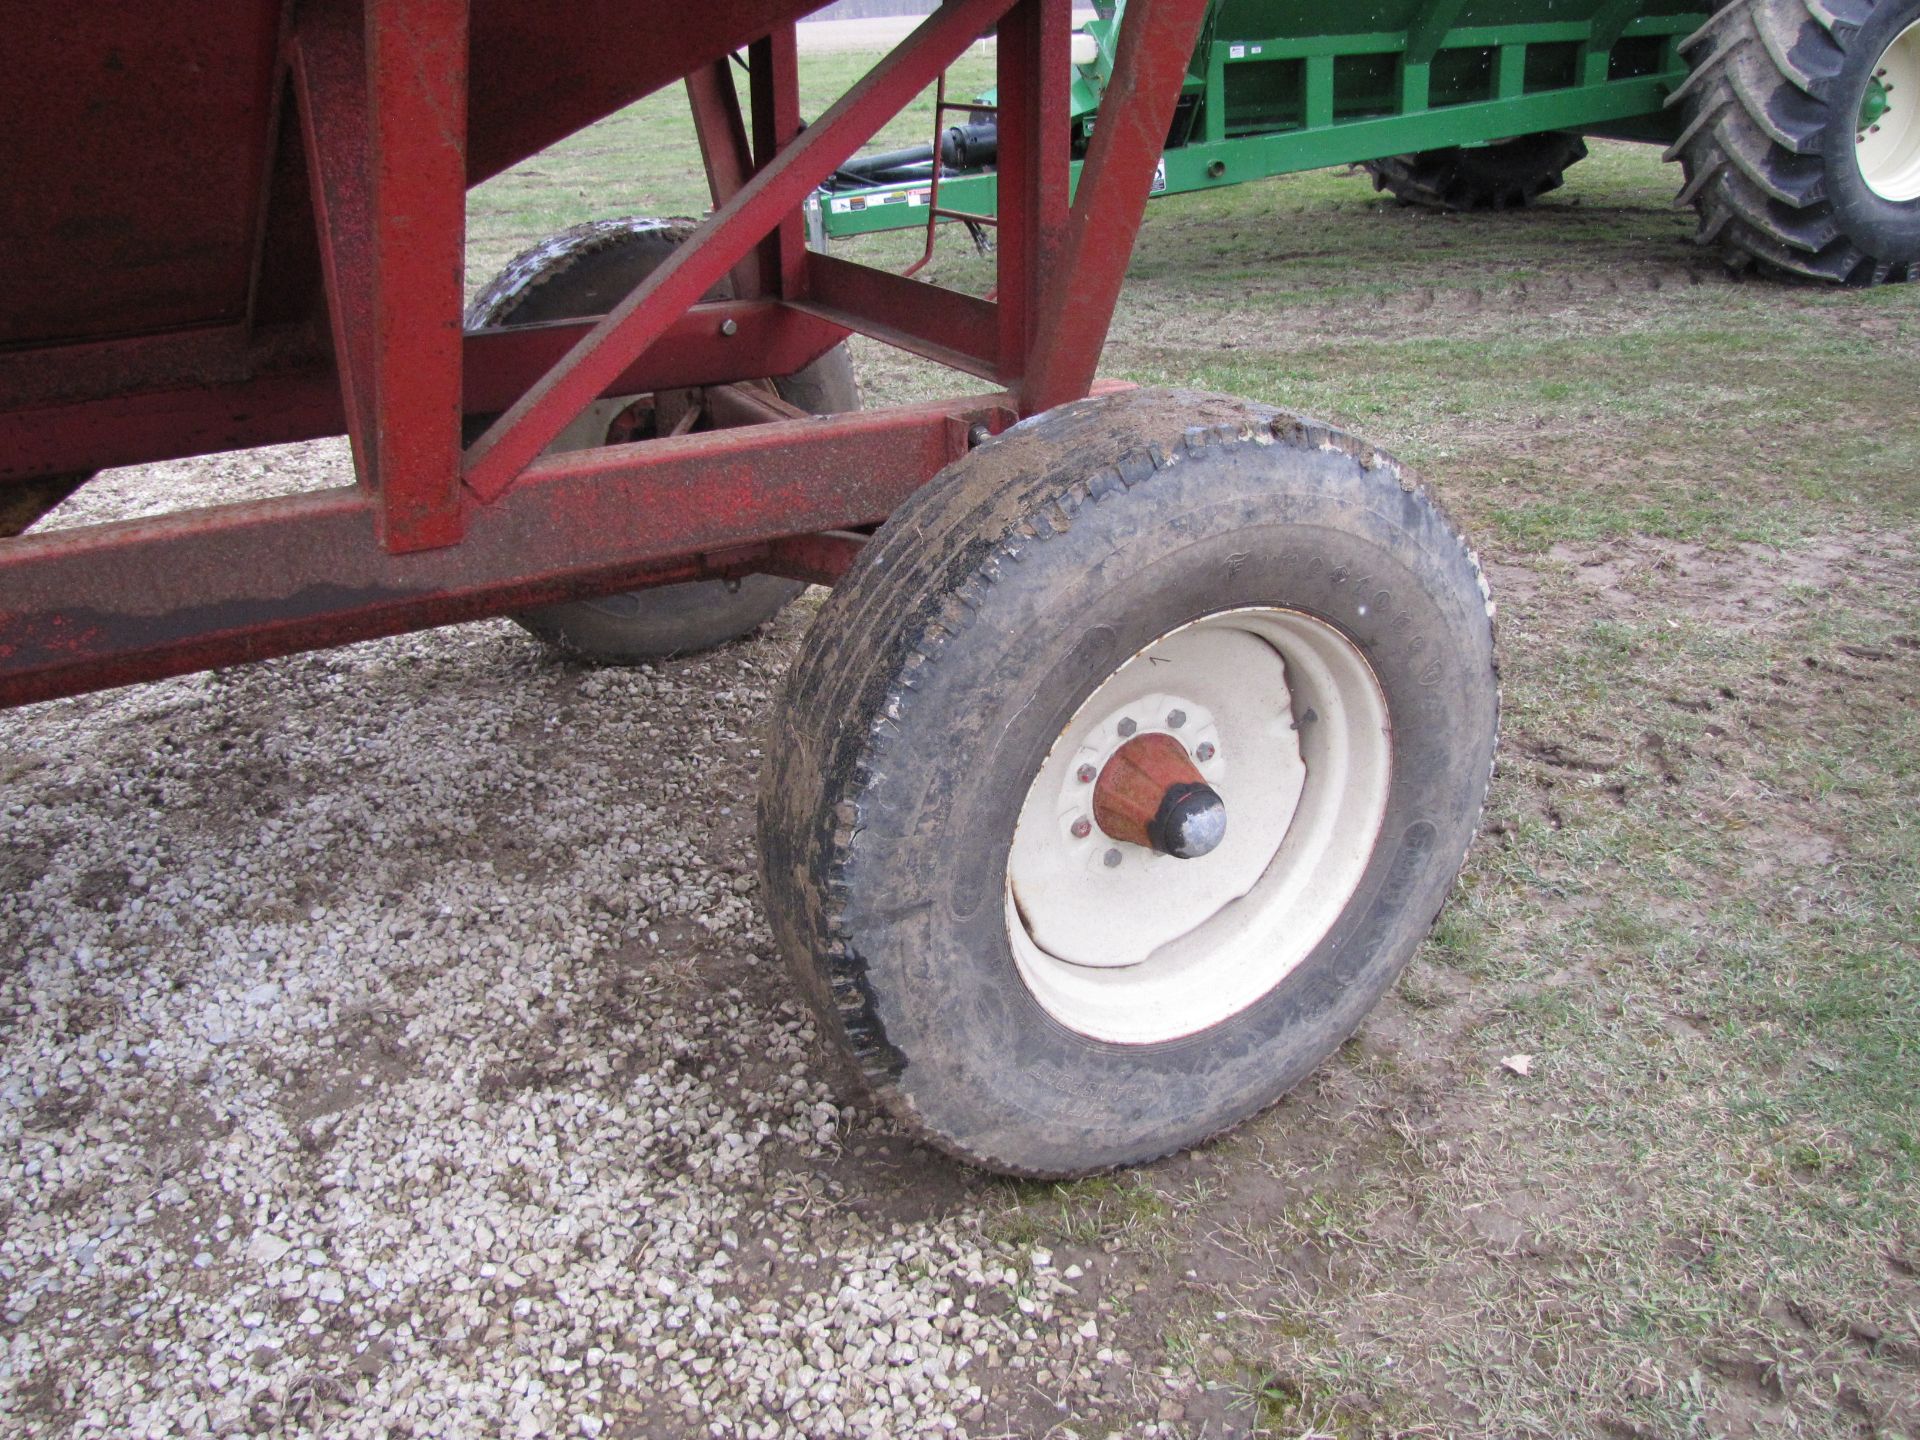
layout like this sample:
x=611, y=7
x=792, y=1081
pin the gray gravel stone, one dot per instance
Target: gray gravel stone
x=392, y=1043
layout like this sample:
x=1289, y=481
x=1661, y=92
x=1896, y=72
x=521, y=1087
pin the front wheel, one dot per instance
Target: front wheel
x=1124, y=773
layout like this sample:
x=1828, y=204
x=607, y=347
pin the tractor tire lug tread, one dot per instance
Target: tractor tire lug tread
x=1508, y=175
x=1763, y=122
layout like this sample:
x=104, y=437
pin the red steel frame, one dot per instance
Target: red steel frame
x=434, y=532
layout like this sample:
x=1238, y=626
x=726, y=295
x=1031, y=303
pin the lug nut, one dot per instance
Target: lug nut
x=1087, y=774
x=1112, y=858
x=1175, y=719
x=1082, y=828
x=1204, y=751
x=1126, y=728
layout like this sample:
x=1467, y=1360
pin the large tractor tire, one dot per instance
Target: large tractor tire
x=1505, y=175
x=1801, y=137
x=1124, y=772
x=587, y=271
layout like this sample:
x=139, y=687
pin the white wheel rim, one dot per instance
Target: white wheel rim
x=1285, y=720
x=1888, y=148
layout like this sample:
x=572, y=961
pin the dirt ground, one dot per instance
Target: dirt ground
x=390, y=1043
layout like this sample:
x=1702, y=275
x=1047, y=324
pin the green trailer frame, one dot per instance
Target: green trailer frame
x=1280, y=86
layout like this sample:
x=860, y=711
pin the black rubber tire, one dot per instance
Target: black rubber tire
x=947, y=663
x=586, y=271
x=1769, y=119
x=1505, y=175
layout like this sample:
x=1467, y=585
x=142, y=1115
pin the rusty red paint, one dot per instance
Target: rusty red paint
x=821, y=559
x=497, y=459
x=162, y=424
x=135, y=139
x=416, y=57
x=139, y=136
x=341, y=311
x=54, y=374
x=328, y=65
x=766, y=338
x=1034, y=74
x=383, y=99
x=123, y=414
x=145, y=598
x=941, y=324
x=732, y=405
x=721, y=132
x=1077, y=295
x=773, y=65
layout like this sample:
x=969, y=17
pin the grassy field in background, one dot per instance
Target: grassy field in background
x=1694, y=904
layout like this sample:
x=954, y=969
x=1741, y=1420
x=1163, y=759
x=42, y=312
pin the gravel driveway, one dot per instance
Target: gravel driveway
x=392, y=1046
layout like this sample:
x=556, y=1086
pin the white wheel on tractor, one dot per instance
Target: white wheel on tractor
x=1888, y=136
x=1124, y=772
x=1800, y=137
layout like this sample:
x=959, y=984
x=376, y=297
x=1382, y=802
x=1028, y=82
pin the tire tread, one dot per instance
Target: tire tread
x=1449, y=179
x=972, y=524
x=1758, y=106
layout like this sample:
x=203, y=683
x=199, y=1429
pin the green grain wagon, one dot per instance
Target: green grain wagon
x=1796, y=122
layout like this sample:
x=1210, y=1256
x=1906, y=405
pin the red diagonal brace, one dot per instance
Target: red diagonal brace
x=329, y=70
x=720, y=130
x=775, y=66
x=499, y=456
x=1078, y=292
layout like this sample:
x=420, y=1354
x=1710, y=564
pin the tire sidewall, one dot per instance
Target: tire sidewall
x=982, y=1059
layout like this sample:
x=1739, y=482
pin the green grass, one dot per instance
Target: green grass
x=1104, y=1210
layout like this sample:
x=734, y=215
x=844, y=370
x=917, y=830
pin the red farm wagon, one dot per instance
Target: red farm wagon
x=1145, y=731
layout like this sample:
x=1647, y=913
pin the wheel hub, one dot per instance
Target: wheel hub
x=1874, y=104
x=1136, y=913
x=1151, y=794
x=1887, y=131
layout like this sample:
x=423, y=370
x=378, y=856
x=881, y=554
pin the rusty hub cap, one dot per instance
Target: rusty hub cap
x=1151, y=794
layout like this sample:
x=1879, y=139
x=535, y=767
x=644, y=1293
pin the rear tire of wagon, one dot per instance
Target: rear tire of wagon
x=1506, y=175
x=1800, y=138
x=1282, y=600
x=586, y=271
